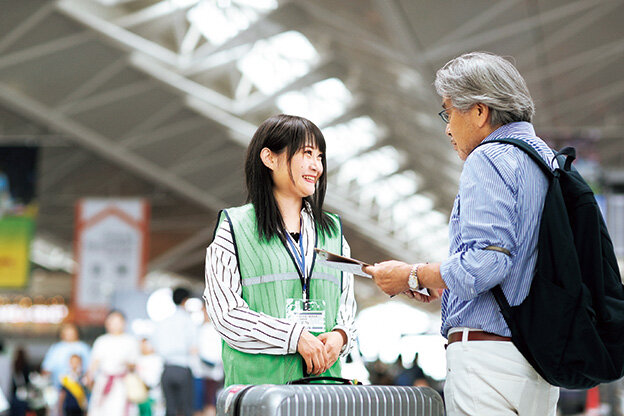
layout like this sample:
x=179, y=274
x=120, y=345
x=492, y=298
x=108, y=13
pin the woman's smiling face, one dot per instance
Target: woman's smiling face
x=299, y=179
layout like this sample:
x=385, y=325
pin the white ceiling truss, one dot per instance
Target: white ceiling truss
x=133, y=97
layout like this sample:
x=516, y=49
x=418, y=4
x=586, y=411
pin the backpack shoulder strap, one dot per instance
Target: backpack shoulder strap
x=530, y=151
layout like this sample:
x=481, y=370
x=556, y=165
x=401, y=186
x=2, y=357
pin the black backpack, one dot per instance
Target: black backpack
x=571, y=325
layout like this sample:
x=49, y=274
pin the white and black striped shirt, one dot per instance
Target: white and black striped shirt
x=257, y=333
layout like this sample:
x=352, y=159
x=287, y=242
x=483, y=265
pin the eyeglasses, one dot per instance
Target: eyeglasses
x=444, y=115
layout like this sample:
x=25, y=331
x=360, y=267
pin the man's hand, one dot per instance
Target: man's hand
x=333, y=341
x=391, y=276
x=433, y=295
x=313, y=352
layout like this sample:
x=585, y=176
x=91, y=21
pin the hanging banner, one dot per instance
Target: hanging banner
x=15, y=236
x=111, y=253
x=18, y=209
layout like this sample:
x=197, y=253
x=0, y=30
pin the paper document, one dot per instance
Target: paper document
x=346, y=264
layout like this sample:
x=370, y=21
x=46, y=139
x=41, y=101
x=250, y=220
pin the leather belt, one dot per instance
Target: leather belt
x=476, y=336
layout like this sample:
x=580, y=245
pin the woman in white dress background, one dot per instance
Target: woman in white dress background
x=114, y=354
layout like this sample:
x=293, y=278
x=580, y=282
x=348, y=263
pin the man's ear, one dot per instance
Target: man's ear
x=483, y=114
x=267, y=157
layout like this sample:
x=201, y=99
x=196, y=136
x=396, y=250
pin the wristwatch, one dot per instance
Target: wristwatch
x=412, y=281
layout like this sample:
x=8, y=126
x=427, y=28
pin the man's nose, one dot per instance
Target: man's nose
x=447, y=130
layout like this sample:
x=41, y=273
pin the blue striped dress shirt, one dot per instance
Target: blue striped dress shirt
x=499, y=203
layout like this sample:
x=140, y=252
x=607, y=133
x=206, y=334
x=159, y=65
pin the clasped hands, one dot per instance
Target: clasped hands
x=320, y=352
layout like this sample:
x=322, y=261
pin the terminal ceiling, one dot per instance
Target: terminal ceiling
x=158, y=99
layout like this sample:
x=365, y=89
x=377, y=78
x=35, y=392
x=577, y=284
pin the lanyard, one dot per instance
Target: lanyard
x=299, y=258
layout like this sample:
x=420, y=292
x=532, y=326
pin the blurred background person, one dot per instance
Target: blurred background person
x=209, y=358
x=175, y=340
x=149, y=368
x=20, y=384
x=6, y=376
x=412, y=376
x=113, y=355
x=56, y=361
x=73, y=394
x=4, y=404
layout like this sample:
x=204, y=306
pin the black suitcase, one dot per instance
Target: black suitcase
x=328, y=400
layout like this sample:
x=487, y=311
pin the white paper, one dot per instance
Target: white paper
x=423, y=291
x=345, y=267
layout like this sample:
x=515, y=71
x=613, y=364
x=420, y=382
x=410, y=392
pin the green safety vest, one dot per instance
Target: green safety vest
x=269, y=277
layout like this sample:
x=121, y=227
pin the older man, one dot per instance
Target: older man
x=493, y=234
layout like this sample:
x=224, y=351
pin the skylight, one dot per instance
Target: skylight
x=415, y=218
x=220, y=20
x=348, y=139
x=321, y=102
x=389, y=190
x=370, y=166
x=278, y=60
x=406, y=209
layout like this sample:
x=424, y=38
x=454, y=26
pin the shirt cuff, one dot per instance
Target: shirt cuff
x=346, y=347
x=294, y=338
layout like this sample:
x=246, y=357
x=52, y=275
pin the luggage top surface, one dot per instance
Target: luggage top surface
x=326, y=400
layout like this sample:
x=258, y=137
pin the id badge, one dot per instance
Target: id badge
x=309, y=313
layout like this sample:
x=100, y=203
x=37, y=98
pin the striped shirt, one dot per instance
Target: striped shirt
x=499, y=203
x=257, y=333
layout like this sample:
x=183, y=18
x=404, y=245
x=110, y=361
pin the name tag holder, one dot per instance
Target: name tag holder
x=308, y=312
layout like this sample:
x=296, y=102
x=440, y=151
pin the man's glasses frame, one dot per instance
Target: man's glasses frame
x=444, y=115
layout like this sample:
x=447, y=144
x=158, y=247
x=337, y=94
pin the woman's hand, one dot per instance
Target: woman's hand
x=313, y=352
x=333, y=341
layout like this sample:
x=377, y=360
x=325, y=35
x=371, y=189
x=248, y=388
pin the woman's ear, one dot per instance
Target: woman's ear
x=267, y=157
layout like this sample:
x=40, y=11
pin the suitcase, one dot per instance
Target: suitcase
x=328, y=400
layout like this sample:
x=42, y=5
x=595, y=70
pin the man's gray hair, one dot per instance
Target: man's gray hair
x=482, y=77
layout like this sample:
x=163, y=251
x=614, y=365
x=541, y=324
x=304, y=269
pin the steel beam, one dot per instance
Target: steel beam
x=585, y=59
x=25, y=25
x=179, y=83
x=166, y=132
x=98, y=79
x=106, y=147
x=476, y=23
x=479, y=40
x=146, y=127
x=107, y=97
x=566, y=31
x=117, y=35
x=44, y=49
x=161, y=9
x=168, y=259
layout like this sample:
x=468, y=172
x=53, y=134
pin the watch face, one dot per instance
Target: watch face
x=413, y=282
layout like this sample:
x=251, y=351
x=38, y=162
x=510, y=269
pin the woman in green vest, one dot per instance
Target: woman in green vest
x=281, y=314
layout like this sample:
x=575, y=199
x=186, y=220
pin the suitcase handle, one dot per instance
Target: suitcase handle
x=313, y=380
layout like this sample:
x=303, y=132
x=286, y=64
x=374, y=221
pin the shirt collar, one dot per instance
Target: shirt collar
x=518, y=129
x=306, y=216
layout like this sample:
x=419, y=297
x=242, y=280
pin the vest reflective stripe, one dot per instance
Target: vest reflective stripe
x=250, y=281
x=269, y=277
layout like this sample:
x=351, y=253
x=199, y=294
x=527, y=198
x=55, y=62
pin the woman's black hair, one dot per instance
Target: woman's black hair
x=283, y=133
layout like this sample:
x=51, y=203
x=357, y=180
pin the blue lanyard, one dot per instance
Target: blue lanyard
x=299, y=257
